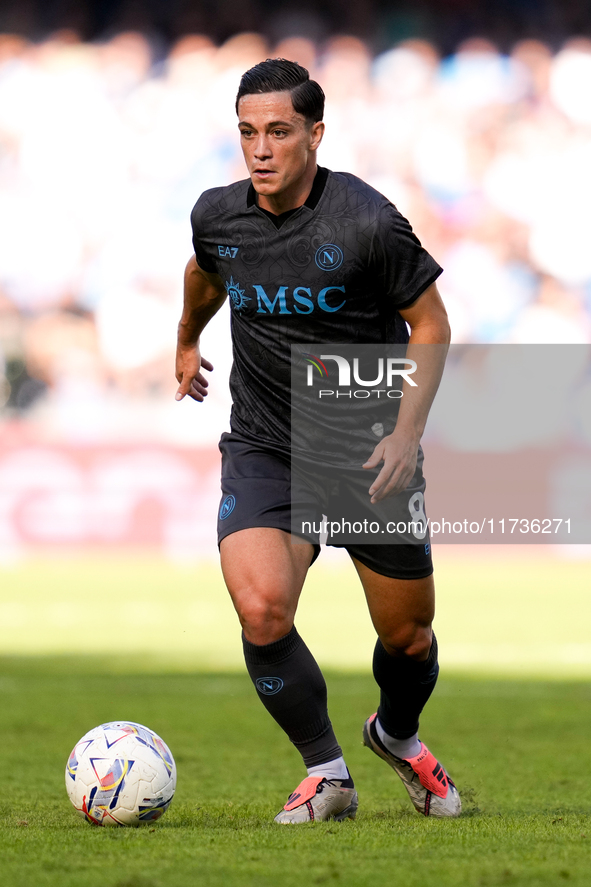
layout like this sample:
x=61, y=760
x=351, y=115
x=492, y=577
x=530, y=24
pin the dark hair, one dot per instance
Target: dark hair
x=281, y=75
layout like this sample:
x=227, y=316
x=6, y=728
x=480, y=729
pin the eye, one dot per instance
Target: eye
x=279, y=133
x=246, y=133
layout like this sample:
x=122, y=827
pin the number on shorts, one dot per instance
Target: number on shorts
x=416, y=507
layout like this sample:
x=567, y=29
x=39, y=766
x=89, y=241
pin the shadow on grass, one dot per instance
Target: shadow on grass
x=137, y=881
x=401, y=811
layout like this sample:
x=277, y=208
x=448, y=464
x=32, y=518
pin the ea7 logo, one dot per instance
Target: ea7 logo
x=228, y=252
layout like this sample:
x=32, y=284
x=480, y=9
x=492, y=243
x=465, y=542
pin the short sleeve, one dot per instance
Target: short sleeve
x=205, y=258
x=403, y=268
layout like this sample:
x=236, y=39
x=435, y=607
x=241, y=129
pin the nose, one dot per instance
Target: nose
x=262, y=147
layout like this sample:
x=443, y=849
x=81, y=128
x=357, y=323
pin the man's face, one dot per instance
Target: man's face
x=277, y=143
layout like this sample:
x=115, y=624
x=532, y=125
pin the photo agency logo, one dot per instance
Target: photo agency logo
x=386, y=375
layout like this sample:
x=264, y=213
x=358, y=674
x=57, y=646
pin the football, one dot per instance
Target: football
x=120, y=773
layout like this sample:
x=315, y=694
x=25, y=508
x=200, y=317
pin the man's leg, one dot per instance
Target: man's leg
x=264, y=573
x=406, y=668
x=405, y=656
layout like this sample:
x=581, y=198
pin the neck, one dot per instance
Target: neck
x=294, y=196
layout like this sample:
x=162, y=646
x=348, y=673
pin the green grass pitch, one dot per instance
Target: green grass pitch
x=513, y=612
x=516, y=742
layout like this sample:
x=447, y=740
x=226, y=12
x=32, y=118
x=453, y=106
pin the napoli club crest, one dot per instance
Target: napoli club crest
x=269, y=686
x=227, y=507
x=329, y=257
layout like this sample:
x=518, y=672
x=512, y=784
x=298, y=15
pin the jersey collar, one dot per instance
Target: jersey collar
x=312, y=199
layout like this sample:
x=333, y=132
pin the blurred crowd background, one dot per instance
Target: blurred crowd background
x=473, y=118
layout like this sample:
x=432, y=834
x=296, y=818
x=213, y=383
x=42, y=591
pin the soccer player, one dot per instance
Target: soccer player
x=260, y=242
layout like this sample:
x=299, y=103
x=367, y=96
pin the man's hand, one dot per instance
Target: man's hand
x=399, y=454
x=399, y=451
x=204, y=295
x=189, y=364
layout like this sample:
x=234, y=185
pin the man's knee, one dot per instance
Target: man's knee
x=264, y=613
x=411, y=640
x=264, y=574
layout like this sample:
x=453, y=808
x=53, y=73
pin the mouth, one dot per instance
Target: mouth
x=263, y=173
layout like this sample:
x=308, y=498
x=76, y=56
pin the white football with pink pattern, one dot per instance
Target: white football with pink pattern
x=121, y=773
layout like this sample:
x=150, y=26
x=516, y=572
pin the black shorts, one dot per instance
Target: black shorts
x=257, y=492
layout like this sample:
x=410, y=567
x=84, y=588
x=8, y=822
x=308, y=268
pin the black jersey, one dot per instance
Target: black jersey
x=337, y=269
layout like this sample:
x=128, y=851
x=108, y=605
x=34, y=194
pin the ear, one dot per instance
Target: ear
x=316, y=133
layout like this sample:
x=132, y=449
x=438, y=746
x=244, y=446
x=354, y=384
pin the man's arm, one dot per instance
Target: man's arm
x=398, y=451
x=204, y=295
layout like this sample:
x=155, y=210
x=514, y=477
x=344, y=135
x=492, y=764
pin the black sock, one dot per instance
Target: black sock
x=291, y=687
x=405, y=687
